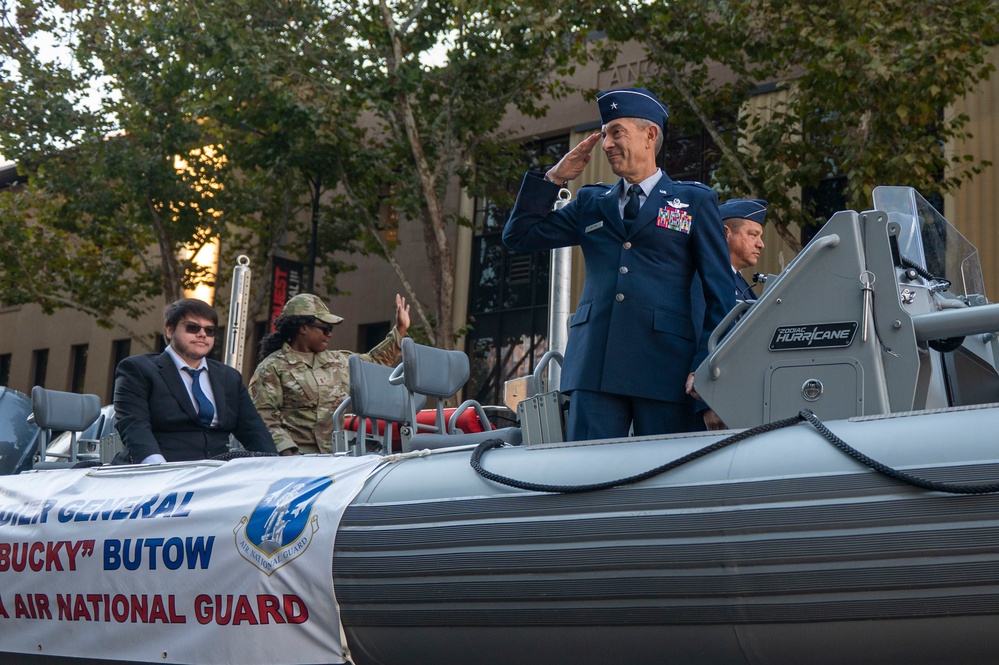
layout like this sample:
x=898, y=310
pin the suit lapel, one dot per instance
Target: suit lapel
x=171, y=376
x=216, y=377
x=742, y=289
x=610, y=208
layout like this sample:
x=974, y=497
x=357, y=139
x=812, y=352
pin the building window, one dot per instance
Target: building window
x=689, y=157
x=508, y=294
x=5, y=369
x=120, y=349
x=39, y=365
x=78, y=367
x=821, y=202
x=371, y=335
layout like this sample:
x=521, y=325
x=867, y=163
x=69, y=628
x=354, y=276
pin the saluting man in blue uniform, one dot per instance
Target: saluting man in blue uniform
x=632, y=347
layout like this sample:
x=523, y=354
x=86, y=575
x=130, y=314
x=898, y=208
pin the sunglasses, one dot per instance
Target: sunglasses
x=325, y=327
x=194, y=329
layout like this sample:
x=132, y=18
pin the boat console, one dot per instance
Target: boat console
x=883, y=311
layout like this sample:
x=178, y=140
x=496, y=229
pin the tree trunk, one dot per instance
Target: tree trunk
x=168, y=258
x=438, y=248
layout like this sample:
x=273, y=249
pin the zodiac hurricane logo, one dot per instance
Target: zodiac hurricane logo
x=281, y=526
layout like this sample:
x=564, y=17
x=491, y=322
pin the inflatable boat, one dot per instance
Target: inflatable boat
x=849, y=515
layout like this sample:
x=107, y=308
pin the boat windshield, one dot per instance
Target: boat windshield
x=928, y=239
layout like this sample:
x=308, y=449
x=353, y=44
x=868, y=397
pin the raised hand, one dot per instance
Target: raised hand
x=574, y=161
x=401, y=314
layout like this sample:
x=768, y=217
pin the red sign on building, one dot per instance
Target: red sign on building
x=286, y=283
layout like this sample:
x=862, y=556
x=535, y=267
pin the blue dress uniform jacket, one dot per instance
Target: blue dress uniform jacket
x=743, y=291
x=632, y=332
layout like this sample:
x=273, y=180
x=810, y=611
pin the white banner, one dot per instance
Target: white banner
x=178, y=563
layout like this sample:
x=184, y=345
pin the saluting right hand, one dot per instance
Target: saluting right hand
x=574, y=161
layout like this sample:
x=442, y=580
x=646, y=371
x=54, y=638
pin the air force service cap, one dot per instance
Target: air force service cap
x=754, y=210
x=306, y=304
x=631, y=103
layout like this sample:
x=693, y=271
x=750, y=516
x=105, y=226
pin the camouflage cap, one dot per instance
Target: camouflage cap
x=306, y=304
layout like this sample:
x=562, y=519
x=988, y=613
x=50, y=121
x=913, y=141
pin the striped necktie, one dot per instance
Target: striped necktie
x=205, y=409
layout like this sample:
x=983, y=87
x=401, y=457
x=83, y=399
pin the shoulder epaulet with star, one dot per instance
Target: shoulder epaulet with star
x=692, y=182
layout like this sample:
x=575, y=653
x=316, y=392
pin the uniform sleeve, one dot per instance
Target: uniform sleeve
x=267, y=397
x=131, y=409
x=388, y=352
x=533, y=225
x=715, y=269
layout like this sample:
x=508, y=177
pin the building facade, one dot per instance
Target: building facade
x=502, y=297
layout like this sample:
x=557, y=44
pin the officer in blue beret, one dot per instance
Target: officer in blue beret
x=632, y=348
x=743, y=220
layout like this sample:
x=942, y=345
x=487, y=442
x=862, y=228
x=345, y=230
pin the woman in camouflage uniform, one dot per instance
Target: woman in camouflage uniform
x=299, y=383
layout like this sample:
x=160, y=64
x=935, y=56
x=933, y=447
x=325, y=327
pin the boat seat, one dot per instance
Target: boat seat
x=55, y=410
x=468, y=422
x=376, y=401
x=439, y=373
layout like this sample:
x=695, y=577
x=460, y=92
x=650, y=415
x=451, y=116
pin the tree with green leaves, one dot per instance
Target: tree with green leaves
x=864, y=92
x=362, y=115
x=123, y=187
x=436, y=80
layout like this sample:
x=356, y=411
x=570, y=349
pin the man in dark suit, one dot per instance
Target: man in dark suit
x=178, y=405
x=631, y=347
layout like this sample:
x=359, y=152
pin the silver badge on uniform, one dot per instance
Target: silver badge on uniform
x=593, y=227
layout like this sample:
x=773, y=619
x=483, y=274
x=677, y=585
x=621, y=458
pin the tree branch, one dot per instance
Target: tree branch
x=727, y=152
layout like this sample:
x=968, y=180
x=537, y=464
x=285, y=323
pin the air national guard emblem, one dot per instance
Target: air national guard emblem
x=673, y=217
x=281, y=527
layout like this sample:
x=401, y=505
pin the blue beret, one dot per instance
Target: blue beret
x=631, y=103
x=752, y=209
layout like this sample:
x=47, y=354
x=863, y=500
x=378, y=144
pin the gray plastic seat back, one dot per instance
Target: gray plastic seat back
x=434, y=372
x=57, y=410
x=69, y=412
x=372, y=396
x=441, y=374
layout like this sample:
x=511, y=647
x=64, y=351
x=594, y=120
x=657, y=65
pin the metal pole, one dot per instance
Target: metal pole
x=235, y=340
x=558, y=300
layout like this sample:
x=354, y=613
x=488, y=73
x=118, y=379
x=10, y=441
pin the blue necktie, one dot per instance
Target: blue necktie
x=205, y=409
x=633, y=205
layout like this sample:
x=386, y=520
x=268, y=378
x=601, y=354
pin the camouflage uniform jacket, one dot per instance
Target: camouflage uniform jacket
x=297, y=393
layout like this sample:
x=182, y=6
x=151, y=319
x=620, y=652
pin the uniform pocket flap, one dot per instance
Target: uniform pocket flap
x=675, y=324
x=581, y=315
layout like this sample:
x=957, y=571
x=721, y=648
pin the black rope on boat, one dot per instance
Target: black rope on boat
x=489, y=444
x=908, y=479
x=239, y=454
x=803, y=416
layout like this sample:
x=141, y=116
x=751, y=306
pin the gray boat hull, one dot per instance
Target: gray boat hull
x=777, y=549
